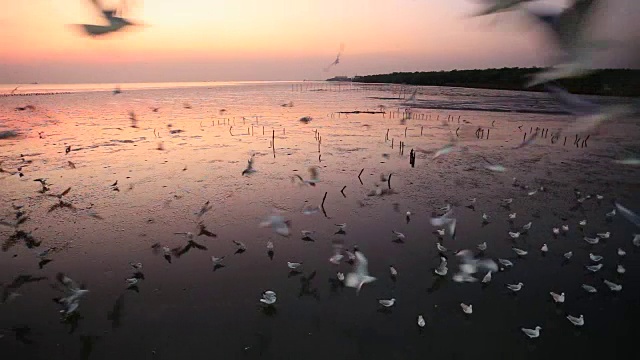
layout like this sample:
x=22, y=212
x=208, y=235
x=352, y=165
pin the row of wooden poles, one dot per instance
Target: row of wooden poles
x=337, y=86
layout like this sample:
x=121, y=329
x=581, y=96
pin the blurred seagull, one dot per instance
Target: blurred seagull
x=497, y=6
x=337, y=60
x=589, y=288
x=588, y=115
x=620, y=269
x=387, y=302
x=519, y=252
x=278, y=224
x=629, y=215
x=249, y=170
x=470, y=265
x=569, y=32
x=116, y=23
x=360, y=274
x=487, y=278
x=74, y=291
x=612, y=286
x=594, y=268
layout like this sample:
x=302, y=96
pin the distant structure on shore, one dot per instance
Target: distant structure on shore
x=340, y=78
x=609, y=82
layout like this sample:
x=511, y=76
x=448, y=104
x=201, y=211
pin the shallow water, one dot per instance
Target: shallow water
x=185, y=309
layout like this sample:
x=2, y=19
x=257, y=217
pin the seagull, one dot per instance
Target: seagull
x=470, y=265
x=268, y=297
x=515, y=287
x=512, y=216
x=340, y=276
x=610, y=214
x=467, y=309
x=505, y=262
x=568, y=30
x=131, y=282
x=582, y=222
x=393, y=271
x=485, y=218
x=116, y=23
x=605, y=235
x=313, y=177
x=577, y=321
x=278, y=224
x=507, y=201
x=487, y=278
x=240, y=245
x=526, y=226
x=337, y=254
x=519, y=252
x=555, y=231
x=204, y=209
x=136, y=266
x=74, y=291
x=532, y=333
x=592, y=241
x=421, y=322
x=544, y=248
x=594, y=268
x=445, y=220
x=440, y=232
x=387, y=303
x=217, y=261
x=399, y=236
x=514, y=235
x=337, y=60
x=441, y=248
x=595, y=258
x=249, y=170
x=620, y=269
x=588, y=115
x=294, y=265
x=341, y=228
x=483, y=246
x=360, y=274
x=565, y=228
x=557, y=298
x=589, y=288
x=442, y=268
x=621, y=252
x=612, y=286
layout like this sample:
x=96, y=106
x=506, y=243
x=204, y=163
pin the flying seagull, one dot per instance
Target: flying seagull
x=588, y=115
x=337, y=60
x=116, y=22
x=568, y=32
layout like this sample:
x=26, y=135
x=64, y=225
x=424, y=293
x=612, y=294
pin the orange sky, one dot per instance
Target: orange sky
x=257, y=39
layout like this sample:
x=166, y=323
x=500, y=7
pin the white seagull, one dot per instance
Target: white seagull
x=532, y=333
x=592, y=241
x=577, y=321
x=558, y=298
x=421, y=321
x=387, y=302
x=360, y=274
x=544, y=248
x=487, y=278
x=519, y=252
x=620, y=269
x=268, y=297
x=467, y=309
x=594, y=268
x=568, y=255
x=278, y=224
x=442, y=268
x=613, y=286
x=515, y=287
x=589, y=288
x=595, y=258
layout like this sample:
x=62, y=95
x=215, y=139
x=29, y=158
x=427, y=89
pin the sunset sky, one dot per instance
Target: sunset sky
x=201, y=40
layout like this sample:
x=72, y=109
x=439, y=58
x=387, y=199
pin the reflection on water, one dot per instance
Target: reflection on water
x=130, y=189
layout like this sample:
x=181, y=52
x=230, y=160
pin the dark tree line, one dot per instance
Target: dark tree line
x=612, y=82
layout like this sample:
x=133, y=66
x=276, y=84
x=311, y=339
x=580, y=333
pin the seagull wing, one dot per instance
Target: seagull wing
x=573, y=103
x=362, y=264
x=628, y=214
